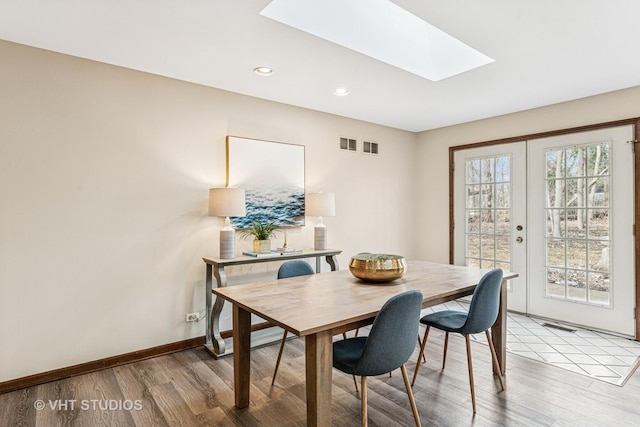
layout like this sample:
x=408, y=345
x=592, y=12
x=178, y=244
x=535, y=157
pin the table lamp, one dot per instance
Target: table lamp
x=227, y=202
x=320, y=205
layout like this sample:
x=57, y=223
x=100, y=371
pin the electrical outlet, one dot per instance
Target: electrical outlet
x=192, y=317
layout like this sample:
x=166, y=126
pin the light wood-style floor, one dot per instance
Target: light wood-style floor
x=190, y=388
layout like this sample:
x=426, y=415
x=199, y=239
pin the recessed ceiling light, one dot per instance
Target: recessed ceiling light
x=263, y=71
x=341, y=91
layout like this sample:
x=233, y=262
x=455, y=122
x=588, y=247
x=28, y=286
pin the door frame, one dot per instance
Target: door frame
x=635, y=121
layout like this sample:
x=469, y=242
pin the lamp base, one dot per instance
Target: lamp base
x=320, y=237
x=227, y=244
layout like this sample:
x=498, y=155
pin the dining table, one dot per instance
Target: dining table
x=319, y=306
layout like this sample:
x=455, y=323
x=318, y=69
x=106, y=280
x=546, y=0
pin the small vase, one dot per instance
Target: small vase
x=261, y=246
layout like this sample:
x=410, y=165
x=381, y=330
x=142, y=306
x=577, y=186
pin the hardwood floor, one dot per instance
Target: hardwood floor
x=190, y=388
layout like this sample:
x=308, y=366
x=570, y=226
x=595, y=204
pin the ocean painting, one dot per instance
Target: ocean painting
x=272, y=174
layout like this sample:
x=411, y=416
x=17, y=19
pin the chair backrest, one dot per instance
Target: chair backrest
x=294, y=268
x=485, y=303
x=393, y=335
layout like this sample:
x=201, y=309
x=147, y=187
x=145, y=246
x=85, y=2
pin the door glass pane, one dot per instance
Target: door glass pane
x=503, y=195
x=599, y=289
x=487, y=243
x=599, y=193
x=576, y=226
x=555, y=163
x=473, y=221
x=575, y=192
x=556, y=282
x=555, y=222
x=555, y=192
x=575, y=162
x=487, y=224
x=503, y=169
x=488, y=213
x=486, y=197
x=502, y=249
x=487, y=263
x=486, y=170
x=576, y=289
x=576, y=254
x=599, y=256
x=473, y=246
x=473, y=172
x=597, y=159
x=577, y=232
x=555, y=252
x=598, y=224
x=473, y=196
x=473, y=262
x=503, y=222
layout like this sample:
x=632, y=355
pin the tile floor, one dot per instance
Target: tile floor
x=602, y=356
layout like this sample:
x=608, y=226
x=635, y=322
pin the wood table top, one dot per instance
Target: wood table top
x=306, y=305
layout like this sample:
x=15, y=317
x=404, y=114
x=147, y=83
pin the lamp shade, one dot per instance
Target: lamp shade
x=320, y=204
x=227, y=202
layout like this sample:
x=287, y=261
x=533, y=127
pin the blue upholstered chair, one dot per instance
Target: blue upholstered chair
x=482, y=314
x=290, y=269
x=391, y=341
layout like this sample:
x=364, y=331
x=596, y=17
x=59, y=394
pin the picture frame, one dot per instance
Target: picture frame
x=273, y=176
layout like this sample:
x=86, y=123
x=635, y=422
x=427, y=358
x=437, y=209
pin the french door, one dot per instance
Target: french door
x=490, y=213
x=581, y=223
x=558, y=211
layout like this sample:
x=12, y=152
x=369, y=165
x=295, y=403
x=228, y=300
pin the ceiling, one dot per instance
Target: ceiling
x=545, y=51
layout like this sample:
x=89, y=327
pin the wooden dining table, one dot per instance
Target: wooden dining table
x=319, y=306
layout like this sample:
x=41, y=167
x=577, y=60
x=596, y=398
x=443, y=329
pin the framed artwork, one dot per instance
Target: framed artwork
x=272, y=174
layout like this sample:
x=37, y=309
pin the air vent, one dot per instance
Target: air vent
x=348, y=144
x=369, y=147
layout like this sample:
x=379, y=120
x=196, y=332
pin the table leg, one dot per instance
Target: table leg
x=214, y=342
x=319, y=366
x=332, y=260
x=219, y=347
x=241, y=355
x=499, y=331
x=208, y=297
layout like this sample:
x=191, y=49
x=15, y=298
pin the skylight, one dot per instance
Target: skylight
x=382, y=30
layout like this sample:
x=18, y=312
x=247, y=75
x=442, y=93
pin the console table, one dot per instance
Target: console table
x=215, y=268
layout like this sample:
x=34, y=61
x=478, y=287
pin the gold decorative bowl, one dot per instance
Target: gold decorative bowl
x=377, y=267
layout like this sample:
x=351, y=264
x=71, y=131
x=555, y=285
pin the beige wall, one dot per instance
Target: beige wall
x=433, y=153
x=104, y=177
x=103, y=191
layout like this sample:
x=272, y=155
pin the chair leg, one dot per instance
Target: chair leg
x=355, y=334
x=412, y=401
x=355, y=383
x=421, y=355
x=282, y=343
x=446, y=346
x=473, y=394
x=424, y=359
x=496, y=365
x=363, y=403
